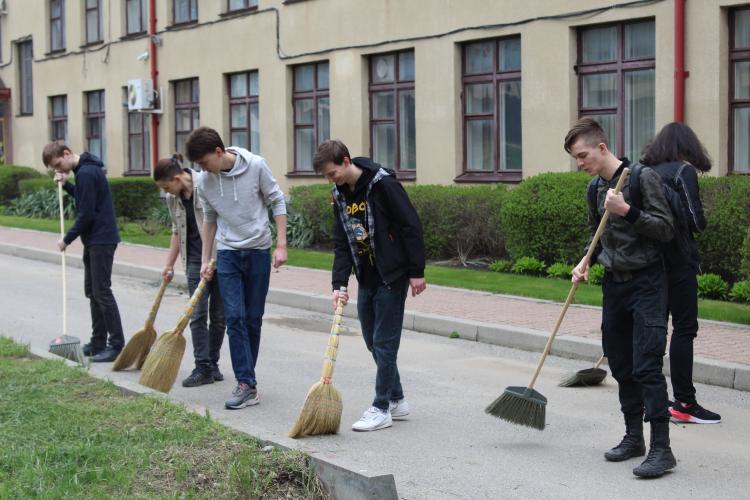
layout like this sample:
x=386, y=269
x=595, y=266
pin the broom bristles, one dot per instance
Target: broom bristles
x=163, y=362
x=321, y=413
x=136, y=349
x=519, y=409
x=584, y=378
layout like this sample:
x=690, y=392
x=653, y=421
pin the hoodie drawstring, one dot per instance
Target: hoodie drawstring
x=221, y=187
x=234, y=186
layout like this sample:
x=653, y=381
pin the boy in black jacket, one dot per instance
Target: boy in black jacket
x=377, y=233
x=95, y=224
x=634, y=309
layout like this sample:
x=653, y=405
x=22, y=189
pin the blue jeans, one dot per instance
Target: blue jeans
x=381, y=315
x=207, y=337
x=243, y=280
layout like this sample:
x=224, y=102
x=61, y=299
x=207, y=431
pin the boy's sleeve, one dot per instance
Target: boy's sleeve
x=272, y=193
x=342, y=255
x=85, y=207
x=209, y=214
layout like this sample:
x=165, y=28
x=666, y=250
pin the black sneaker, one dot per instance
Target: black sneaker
x=88, y=350
x=106, y=356
x=198, y=377
x=218, y=376
x=693, y=414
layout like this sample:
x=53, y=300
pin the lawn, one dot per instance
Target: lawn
x=65, y=434
x=472, y=279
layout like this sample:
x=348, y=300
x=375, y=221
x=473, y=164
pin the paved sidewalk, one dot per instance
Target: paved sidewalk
x=716, y=340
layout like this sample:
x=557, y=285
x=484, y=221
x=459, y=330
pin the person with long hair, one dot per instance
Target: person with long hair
x=677, y=154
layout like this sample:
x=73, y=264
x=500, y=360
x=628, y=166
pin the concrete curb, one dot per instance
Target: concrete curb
x=706, y=371
x=338, y=481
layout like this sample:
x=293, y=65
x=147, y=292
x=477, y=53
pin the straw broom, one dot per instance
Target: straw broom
x=321, y=413
x=163, y=362
x=524, y=405
x=140, y=343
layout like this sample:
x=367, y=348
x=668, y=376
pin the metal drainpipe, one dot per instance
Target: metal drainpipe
x=154, y=79
x=679, y=61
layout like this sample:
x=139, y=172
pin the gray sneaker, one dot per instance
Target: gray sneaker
x=242, y=396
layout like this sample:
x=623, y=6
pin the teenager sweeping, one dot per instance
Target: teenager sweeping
x=378, y=234
x=96, y=226
x=186, y=212
x=676, y=154
x=634, y=287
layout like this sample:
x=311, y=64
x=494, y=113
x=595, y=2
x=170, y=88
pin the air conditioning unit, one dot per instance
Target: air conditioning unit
x=140, y=95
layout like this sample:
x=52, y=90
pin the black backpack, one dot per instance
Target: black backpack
x=674, y=192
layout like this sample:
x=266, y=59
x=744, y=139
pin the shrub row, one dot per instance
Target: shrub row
x=10, y=176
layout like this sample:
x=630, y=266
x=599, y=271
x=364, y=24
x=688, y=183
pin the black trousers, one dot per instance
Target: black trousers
x=97, y=285
x=683, y=305
x=634, y=338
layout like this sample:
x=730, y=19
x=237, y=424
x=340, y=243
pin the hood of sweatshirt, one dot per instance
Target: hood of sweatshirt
x=88, y=159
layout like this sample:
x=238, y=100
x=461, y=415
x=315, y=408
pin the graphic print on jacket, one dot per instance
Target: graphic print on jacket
x=356, y=217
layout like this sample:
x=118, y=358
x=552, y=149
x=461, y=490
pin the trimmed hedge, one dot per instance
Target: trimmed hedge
x=744, y=272
x=309, y=210
x=10, y=176
x=33, y=185
x=546, y=217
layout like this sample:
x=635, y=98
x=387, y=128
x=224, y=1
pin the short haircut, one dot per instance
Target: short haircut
x=202, y=141
x=53, y=150
x=167, y=168
x=676, y=142
x=330, y=151
x=587, y=129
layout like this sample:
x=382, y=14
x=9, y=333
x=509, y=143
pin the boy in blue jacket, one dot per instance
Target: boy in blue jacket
x=95, y=224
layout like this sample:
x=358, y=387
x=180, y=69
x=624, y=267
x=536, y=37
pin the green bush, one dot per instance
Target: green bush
x=134, y=198
x=741, y=292
x=712, y=286
x=501, y=266
x=299, y=232
x=596, y=274
x=546, y=217
x=10, y=176
x=529, y=265
x=42, y=204
x=744, y=271
x=310, y=215
x=560, y=270
x=726, y=202
x=36, y=184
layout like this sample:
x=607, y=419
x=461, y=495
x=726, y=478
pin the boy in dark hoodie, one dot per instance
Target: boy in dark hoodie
x=377, y=233
x=95, y=224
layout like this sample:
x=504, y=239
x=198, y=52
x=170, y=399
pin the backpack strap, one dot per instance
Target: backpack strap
x=634, y=186
x=592, y=192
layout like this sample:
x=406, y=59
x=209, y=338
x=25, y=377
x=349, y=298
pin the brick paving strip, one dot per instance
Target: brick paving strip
x=716, y=340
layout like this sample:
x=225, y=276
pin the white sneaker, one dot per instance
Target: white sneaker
x=399, y=409
x=372, y=420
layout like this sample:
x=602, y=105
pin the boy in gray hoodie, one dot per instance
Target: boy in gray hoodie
x=236, y=190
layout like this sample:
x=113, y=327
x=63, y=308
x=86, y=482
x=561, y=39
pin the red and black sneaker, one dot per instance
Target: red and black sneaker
x=693, y=414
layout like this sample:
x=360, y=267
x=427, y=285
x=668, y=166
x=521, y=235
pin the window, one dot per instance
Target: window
x=616, y=83
x=139, y=141
x=185, y=11
x=739, y=92
x=392, y=122
x=241, y=5
x=312, y=124
x=243, y=110
x=135, y=17
x=26, y=83
x=187, y=112
x=492, y=111
x=59, y=118
x=93, y=21
x=95, y=137
x=56, y=25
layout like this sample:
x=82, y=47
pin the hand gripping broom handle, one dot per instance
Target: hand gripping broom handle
x=62, y=256
x=333, y=342
x=157, y=303
x=185, y=319
x=573, y=288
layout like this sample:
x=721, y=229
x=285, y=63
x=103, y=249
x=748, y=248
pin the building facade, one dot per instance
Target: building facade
x=443, y=91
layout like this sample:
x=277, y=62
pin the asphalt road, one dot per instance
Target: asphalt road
x=448, y=448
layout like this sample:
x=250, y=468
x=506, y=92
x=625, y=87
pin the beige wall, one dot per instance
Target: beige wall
x=219, y=45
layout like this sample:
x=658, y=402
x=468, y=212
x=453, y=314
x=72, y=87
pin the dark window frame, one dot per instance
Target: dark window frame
x=142, y=18
x=620, y=66
x=735, y=55
x=56, y=121
x=96, y=115
x=145, y=135
x=193, y=106
x=98, y=10
x=247, y=101
x=396, y=86
x=23, y=97
x=495, y=78
x=246, y=8
x=52, y=21
x=190, y=19
x=315, y=94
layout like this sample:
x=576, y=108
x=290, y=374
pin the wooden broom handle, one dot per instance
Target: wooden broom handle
x=598, y=363
x=157, y=303
x=197, y=294
x=573, y=288
x=62, y=258
x=333, y=341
